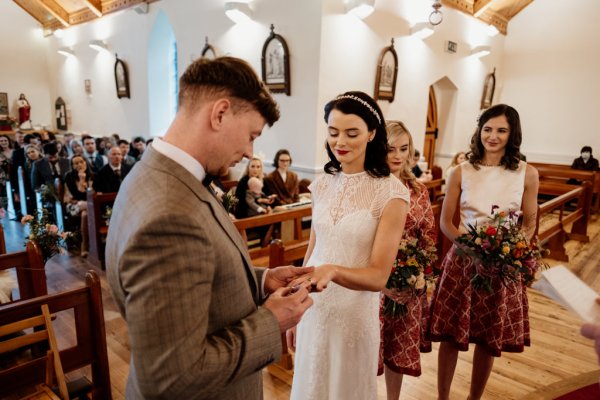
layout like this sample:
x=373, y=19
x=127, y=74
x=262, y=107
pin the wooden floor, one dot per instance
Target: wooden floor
x=558, y=360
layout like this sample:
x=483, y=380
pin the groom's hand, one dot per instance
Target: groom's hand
x=288, y=306
x=282, y=276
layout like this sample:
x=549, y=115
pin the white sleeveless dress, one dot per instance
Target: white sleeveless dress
x=337, y=344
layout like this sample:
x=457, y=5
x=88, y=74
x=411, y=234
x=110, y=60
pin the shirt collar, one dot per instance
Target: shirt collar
x=180, y=157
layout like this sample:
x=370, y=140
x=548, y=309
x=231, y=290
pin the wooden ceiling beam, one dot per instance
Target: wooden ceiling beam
x=95, y=6
x=56, y=10
x=479, y=6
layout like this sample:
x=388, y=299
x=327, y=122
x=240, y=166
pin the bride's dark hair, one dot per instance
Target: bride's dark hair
x=361, y=104
x=512, y=154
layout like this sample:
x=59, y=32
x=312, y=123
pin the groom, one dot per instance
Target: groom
x=199, y=327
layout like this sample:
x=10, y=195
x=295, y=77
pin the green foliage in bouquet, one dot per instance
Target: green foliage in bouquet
x=412, y=270
x=500, y=250
x=229, y=201
x=48, y=237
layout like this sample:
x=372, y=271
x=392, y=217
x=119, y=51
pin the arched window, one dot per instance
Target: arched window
x=162, y=75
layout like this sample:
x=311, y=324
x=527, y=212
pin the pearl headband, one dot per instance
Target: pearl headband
x=361, y=101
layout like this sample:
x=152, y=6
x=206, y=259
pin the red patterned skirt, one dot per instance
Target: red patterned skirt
x=403, y=338
x=460, y=314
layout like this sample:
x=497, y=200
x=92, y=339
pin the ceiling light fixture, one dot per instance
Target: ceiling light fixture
x=66, y=51
x=360, y=8
x=238, y=11
x=98, y=45
x=436, y=17
x=421, y=30
x=481, y=51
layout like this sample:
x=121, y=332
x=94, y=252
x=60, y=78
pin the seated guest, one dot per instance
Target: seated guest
x=32, y=154
x=109, y=178
x=124, y=146
x=76, y=148
x=282, y=181
x=78, y=181
x=457, y=159
x=139, y=143
x=62, y=151
x=50, y=167
x=94, y=158
x=256, y=200
x=253, y=169
x=422, y=176
x=586, y=161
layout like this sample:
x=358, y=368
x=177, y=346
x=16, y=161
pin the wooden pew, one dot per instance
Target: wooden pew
x=292, y=215
x=90, y=349
x=29, y=266
x=281, y=254
x=555, y=235
x=562, y=173
x=435, y=189
x=97, y=228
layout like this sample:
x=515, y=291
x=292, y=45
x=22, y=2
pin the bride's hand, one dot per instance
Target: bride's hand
x=319, y=279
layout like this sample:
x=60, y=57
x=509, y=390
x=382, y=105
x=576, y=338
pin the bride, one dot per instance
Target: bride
x=359, y=211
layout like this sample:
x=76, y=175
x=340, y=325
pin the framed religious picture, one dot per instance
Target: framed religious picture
x=276, y=64
x=121, y=78
x=489, y=86
x=3, y=104
x=387, y=72
x=87, y=84
x=60, y=108
x=208, y=51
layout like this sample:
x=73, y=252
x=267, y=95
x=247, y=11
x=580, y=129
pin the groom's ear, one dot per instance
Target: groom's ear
x=218, y=112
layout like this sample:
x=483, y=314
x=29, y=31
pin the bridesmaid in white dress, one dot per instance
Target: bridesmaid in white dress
x=359, y=211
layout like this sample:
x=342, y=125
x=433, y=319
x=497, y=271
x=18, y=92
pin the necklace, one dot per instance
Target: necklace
x=489, y=165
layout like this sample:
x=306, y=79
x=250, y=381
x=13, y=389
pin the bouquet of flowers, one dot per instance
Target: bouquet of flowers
x=229, y=201
x=500, y=249
x=47, y=236
x=107, y=215
x=412, y=270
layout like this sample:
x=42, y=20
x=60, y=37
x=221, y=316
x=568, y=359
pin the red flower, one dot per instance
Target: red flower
x=490, y=231
x=428, y=270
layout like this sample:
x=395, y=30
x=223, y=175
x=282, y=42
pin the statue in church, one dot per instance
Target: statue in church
x=24, y=109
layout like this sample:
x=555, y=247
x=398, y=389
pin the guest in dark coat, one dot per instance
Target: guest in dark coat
x=78, y=181
x=586, y=161
x=109, y=178
x=50, y=167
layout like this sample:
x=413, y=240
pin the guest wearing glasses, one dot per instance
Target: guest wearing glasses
x=282, y=181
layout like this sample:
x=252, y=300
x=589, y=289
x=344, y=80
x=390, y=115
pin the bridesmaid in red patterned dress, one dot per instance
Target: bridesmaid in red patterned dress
x=402, y=337
x=495, y=321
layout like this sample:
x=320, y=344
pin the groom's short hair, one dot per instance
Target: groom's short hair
x=227, y=77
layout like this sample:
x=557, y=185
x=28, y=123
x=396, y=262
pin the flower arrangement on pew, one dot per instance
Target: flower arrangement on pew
x=47, y=236
x=411, y=272
x=229, y=201
x=501, y=250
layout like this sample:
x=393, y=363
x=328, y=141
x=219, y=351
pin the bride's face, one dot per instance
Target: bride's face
x=495, y=134
x=347, y=138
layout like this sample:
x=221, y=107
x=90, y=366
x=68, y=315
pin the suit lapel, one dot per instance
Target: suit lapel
x=165, y=164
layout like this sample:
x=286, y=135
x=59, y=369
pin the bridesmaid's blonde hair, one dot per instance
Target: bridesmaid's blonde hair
x=394, y=130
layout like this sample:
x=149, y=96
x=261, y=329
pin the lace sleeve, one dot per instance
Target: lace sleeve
x=390, y=188
x=316, y=187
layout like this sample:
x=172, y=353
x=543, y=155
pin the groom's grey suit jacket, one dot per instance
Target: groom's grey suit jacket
x=182, y=278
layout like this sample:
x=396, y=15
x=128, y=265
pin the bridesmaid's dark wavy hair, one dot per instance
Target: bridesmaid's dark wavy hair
x=512, y=154
x=376, y=154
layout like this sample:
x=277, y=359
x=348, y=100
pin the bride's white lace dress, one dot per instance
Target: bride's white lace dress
x=337, y=344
